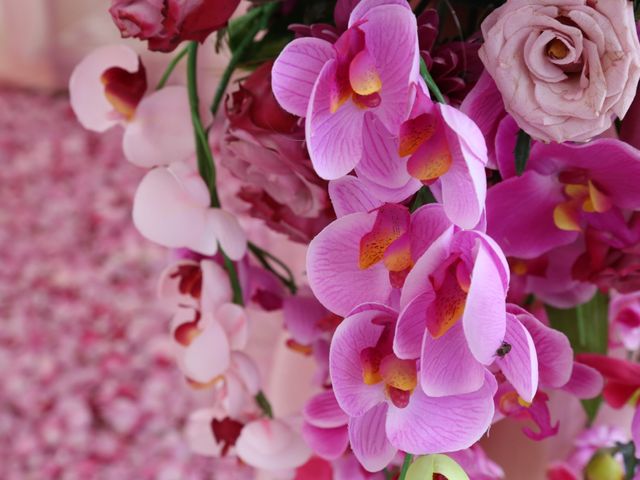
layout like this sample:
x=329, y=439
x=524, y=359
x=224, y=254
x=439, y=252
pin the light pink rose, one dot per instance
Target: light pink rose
x=565, y=68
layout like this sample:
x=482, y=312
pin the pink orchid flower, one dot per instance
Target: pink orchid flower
x=200, y=284
x=624, y=315
x=325, y=426
x=453, y=312
x=551, y=276
x=108, y=87
x=365, y=257
x=307, y=321
x=343, y=88
x=207, y=334
x=521, y=396
x=171, y=208
x=565, y=188
x=441, y=144
x=210, y=432
x=387, y=407
x=272, y=445
x=205, y=341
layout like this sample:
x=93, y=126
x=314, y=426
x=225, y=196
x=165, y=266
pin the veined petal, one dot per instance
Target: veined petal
x=448, y=367
x=296, y=70
x=349, y=195
x=369, y=440
x=484, y=318
x=411, y=327
x=334, y=139
x=354, y=334
x=380, y=162
x=520, y=364
x=333, y=266
x=520, y=215
x=327, y=443
x=443, y=424
x=397, y=62
x=323, y=411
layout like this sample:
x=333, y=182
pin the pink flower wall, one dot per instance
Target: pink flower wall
x=89, y=388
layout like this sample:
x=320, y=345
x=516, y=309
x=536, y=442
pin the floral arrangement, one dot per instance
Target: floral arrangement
x=464, y=179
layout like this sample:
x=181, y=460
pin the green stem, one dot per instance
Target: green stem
x=263, y=257
x=206, y=167
x=167, y=73
x=431, y=82
x=207, y=170
x=264, y=404
x=405, y=466
x=234, y=279
x=239, y=54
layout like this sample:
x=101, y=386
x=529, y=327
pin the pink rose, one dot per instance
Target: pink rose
x=165, y=23
x=565, y=68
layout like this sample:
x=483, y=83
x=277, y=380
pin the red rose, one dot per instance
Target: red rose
x=166, y=23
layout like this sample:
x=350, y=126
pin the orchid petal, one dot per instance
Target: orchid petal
x=349, y=195
x=447, y=365
x=520, y=364
x=369, y=440
x=332, y=266
x=334, y=139
x=296, y=70
x=87, y=94
x=425, y=426
x=354, y=334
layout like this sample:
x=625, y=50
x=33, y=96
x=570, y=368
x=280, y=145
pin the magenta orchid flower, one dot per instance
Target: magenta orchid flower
x=624, y=315
x=441, y=144
x=365, y=257
x=325, y=426
x=387, y=407
x=551, y=276
x=565, y=188
x=344, y=88
x=108, y=87
x=554, y=369
x=453, y=312
x=171, y=208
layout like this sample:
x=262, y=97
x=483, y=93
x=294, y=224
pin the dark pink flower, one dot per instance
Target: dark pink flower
x=263, y=146
x=165, y=23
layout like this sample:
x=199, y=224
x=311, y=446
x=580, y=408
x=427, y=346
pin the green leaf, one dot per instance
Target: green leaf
x=240, y=27
x=587, y=328
x=431, y=83
x=521, y=152
x=423, y=197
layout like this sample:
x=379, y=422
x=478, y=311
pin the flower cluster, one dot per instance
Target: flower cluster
x=469, y=206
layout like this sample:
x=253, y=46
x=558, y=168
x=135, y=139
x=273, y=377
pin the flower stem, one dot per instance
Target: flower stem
x=240, y=52
x=264, y=404
x=405, y=466
x=265, y=257
x=206, y=167
x=167, y=73
x=207, y=170
x=234, y=279
x=431, y=83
